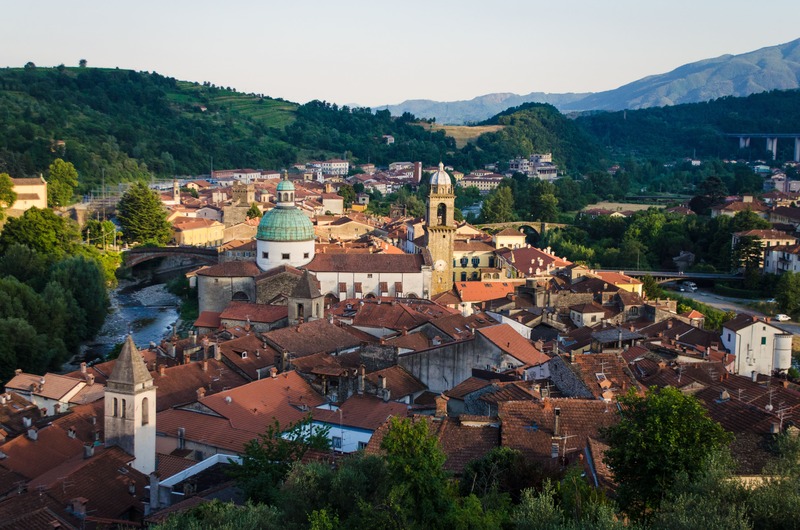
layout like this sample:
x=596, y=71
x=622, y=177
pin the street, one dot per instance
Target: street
x=740, y=306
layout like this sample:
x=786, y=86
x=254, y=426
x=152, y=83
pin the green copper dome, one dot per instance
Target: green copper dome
x=285, y=185
x=285, y=224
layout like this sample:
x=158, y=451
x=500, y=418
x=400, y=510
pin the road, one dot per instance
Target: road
x=739, y=305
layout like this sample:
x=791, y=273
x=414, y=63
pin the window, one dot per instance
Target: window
x=145, y=411
x=763, y=341
x=336, y=442
x=124, y=406
x=116, y=407
x=265, y=255
x=369, y=275
x=284, y=256
x=305, y=255
x=476, y=262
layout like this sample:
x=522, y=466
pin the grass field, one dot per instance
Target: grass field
x=624, y=206
x=270, y=112
x=463, y=134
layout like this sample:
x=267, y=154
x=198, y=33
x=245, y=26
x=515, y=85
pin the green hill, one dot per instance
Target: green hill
x=699, y=128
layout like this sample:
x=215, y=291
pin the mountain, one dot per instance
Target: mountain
x=479, y=108
x=771, y=68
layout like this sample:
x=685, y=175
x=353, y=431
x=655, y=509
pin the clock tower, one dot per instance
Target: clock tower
x=441, y=230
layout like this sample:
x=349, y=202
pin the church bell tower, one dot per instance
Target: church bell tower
x=441, y=230
x=130, y=408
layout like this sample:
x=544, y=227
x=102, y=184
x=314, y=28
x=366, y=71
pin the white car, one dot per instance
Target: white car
x=780, y=317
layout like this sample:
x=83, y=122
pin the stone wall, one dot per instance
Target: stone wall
x=566, y=381
x=215, y=293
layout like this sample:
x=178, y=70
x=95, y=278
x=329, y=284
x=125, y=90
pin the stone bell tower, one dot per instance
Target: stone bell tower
x=441, y=230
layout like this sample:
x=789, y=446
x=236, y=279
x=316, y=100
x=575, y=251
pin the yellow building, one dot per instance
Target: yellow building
x=30, y=192
x=617, y=279
x=197, y=232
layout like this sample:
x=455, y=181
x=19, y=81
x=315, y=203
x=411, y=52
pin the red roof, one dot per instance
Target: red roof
x=244, y=311
x=483, y=291
x=361, y=411
x=512, y=343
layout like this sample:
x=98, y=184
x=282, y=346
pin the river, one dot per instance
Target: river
x=145, y=308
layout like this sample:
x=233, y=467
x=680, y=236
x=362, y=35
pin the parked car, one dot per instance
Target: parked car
x=780, y=317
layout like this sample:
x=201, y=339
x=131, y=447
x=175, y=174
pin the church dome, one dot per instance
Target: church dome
x=285, y=185
x=440, y=178
x=285, y=224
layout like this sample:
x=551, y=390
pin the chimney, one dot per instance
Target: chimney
x=754, y=376
x=26, y=421
x=90, y=379
x=361, y=370
x=88, y=451
x=193, y=334
x=204, y=366
x=93, y=420
x=162, y=370
x=557, y=427
x=382, y=381
x=669, y=324
x=33, y=433
x=273, y=372
x=71, y=432
x=132, y=488
x=217, y=353
x=386, y=395
x=78, y=505
x=83, y=368
x=201, y=393
x=154, y=491
x=441, y=406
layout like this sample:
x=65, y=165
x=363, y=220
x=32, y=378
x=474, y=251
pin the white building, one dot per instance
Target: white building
x=758, y=346
x=285, y=234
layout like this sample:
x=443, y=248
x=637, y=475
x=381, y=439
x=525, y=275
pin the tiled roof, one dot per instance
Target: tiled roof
x=510, y=232
x=764, y=234
x=472, y=246
x=617, y=278
x=398, y=380
x=169, y=465
x=14, y=410
x=257, y=357
x=32, y=458
x=361, y=411
x=390, y=315
x=483, y=291
x=311, y=337
x=605, y=375
x=208, y=319
x=251, y=408
x=377, y=263
x=466, y=387
x=55, y=386
x=528, y=426
x=461, y=441
x=591, y=307
x=512, y=343
x=231, y=269
x=242, y=311
x=179, y=384
x=130, y=371
x=104, y=480
x=742, y=321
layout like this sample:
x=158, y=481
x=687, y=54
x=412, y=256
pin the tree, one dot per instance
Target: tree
x=651, y=288
x=62, y=179
x=216, y=515
x=82, y=63
x=268, y=459
x=499, y=206
x=348, y=194
x=41, y=231
x=415, y=463
x=254, y=212
x=660, y=437
x=7, y=194
x=99, y=233
x=142, y=216
x=746, y=255
x=787, y=293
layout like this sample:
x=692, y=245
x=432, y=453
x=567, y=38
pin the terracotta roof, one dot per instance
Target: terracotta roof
x=588, y=308
x=231, y=269
x=472, y=246
x=512, y=343
x=742, y=321
x=605, y=375
x=208, y=319
x=169, y=465
x=179, y=384
x=249, y=353
x=14, y=410
x=462, y=439
x=510, y=232
x=34, y=511
x=306, y=288
x=466, y=387
x=182, y=224
x=377, y=263
x=32, y=458
x=27, y=181
x=361, y=411
x=483, y=291
x=311, y=337
x=55, y=386
x=528, y=426
x=243, y=311
x=399, y=381
x=251, y=408
x=617, y=278
x=103, y=480
x=764, y=234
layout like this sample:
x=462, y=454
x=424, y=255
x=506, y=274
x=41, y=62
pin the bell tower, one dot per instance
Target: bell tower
x=130, y=408
x=441, y=230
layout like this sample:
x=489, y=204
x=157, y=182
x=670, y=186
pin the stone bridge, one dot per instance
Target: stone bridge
x=536, y=226
x=181, y=256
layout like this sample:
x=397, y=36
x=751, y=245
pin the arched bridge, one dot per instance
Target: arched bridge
x=536, y=226
x=139, y=255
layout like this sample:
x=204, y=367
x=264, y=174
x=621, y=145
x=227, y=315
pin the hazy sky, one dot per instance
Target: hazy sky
x=377, y=52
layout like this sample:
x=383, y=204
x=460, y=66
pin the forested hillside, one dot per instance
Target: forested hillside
x=697, y=129
x=130, y=125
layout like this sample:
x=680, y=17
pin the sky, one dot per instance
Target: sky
x=379, y=52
